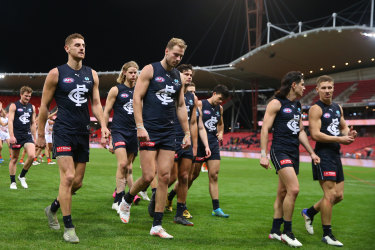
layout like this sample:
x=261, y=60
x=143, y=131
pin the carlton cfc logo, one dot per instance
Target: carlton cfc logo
x=68, y=80
x=207, y=112
x=124, y=95
x=327, y=115
x=159, y=79
x=287, y=110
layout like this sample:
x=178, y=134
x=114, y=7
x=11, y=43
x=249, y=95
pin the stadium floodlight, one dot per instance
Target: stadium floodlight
x=346, y=63
x=359, y=61
x=372, y=59
x=333, y=66
x=2, y=76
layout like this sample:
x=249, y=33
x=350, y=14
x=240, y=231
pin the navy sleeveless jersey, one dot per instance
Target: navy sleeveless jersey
x=286, y=125
x=22, y=119
x=74, y=88
x=159, y=102
x=210, y=117
x=330, y=122
x=189, y=103
x=123, y=115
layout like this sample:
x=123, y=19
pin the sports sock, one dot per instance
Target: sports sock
x=55, y=205
x=118, y=197
x=311, y=212
x=276, y=224
x=180, y=209
x=23, y=173
x=215, y=204
x=68, y=221
x=327, y=230
x=12, y=178
x=158, y=217
x=129, y=198
x=153, y=190
x=171, y=195
x=287, y=226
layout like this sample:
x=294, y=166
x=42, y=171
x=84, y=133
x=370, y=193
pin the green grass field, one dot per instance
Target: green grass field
x=247, y=193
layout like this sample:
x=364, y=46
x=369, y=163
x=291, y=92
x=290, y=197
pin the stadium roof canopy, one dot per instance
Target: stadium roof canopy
x=314, y=52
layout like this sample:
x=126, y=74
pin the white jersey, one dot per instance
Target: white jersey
x=48, y=128
x=4, y=128
x=4, y=133
x=48, y=132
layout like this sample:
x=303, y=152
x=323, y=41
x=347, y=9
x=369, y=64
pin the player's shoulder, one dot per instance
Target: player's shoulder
x=274, y=105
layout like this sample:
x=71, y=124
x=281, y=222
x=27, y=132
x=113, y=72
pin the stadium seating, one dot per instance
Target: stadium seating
x=365, y=90
x=358, y=146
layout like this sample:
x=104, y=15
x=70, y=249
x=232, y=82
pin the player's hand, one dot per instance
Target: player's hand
x=264, y=162
x=110, y=149
x=41, y=141
x=219, y=136
x=315, y=158
x=12, y=140
x=352, y=132
x=142, y=134
x=105, y=136
x=186, y=143
x=346, y=139
x=208, y=152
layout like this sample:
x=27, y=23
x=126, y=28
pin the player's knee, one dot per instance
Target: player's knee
x=213, y=176
x=294, y=191
x=148, y=178
x=31, y=156
x=164, y=177
x=68, y=179
x=183, y=178
x=281, y=193
x=331, y=196
x=122, y=165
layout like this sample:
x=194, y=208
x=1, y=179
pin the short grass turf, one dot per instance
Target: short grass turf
x=247, y=193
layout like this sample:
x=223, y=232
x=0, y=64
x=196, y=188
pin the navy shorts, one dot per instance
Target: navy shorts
x=215, y=151
x=281, y=159
x=127, y=140
x=330, y=167
x=21, y=141
x=76, y=146
x=159, y=139
x=182, y=153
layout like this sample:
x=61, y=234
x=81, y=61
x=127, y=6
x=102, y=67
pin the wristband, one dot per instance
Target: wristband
x=141, y=127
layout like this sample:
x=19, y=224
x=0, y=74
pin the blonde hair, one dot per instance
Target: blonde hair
x=176, y=41
x=73, y=36
x=26, y=89
x=121, y=77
